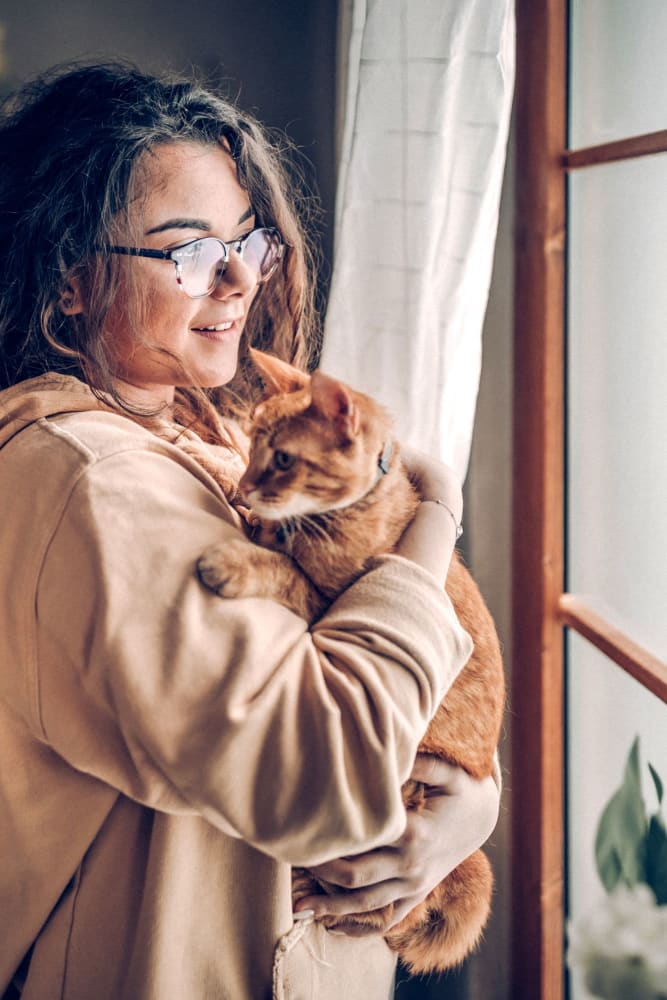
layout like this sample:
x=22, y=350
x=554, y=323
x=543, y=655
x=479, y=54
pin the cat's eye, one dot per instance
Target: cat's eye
x=282, y=460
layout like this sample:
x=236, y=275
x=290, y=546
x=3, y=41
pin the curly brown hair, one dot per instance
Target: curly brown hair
x=70, y=146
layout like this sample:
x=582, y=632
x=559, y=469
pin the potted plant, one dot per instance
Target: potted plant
x=619, y=948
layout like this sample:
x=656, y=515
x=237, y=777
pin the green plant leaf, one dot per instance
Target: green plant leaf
x=657, y=782
x=656, y=858
x=610, y=869
x=620, y=847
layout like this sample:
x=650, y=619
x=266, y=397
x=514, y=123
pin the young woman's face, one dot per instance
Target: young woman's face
x=188, y=191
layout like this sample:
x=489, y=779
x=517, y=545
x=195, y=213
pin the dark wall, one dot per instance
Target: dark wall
x=277, y=58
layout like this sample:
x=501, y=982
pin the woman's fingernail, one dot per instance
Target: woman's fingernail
x=303, y=914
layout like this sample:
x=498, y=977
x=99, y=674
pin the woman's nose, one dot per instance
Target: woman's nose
x=238, y=278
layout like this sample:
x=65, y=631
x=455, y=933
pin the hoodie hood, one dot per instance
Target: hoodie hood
x=44, y=396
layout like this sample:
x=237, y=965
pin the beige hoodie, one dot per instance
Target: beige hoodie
x=167, y=755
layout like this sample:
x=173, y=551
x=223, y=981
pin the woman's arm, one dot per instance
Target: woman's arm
x=296, y=741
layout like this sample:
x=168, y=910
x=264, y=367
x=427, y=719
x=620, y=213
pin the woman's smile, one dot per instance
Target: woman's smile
x=216, y=331
x=213, y=329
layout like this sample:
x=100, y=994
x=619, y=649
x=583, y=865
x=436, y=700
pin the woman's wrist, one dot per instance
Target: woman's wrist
x=429, y=540
x=458, y=524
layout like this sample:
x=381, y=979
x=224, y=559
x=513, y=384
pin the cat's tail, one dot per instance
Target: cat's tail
x=440, y=932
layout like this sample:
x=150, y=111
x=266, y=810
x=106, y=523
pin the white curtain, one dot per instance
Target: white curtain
x=428, y=97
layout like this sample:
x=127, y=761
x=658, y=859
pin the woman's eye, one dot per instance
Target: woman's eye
x=282, y=460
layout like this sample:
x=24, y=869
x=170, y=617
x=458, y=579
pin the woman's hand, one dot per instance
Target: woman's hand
x=433, y=479
x=459, y=815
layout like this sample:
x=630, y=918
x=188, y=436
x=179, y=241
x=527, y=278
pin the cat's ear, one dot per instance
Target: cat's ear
x=277, y=375
x=334, y=401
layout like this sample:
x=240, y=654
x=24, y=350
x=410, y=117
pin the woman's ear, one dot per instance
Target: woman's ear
x=71, y=299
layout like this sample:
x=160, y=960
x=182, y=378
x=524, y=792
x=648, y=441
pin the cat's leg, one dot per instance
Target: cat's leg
x=442, y=930
x=238, y=568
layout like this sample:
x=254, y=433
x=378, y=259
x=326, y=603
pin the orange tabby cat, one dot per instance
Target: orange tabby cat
x=331, y=492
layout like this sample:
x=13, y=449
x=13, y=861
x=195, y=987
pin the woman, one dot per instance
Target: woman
x=168, y=755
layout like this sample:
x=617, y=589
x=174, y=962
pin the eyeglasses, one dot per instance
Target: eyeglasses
x=201, y=263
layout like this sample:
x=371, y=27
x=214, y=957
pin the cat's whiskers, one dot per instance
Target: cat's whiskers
x=289, y=526
x=315, y=525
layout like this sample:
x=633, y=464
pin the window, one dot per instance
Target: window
x=590, y=488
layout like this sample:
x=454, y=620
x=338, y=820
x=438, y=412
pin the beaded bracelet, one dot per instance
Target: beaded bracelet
x=457, y=525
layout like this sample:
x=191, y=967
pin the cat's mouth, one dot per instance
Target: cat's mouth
x=267, y=510
x=279, y=509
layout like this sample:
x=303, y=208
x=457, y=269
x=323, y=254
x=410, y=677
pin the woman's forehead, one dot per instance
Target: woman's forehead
x=188, y=180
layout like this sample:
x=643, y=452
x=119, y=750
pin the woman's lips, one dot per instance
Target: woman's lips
x=220, y=331
x=218, y=328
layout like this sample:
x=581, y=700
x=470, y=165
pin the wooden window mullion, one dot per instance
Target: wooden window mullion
x=537, y=647
x=579, y=615
x=612, y=152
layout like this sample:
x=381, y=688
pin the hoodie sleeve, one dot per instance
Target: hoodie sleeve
x=296, y=740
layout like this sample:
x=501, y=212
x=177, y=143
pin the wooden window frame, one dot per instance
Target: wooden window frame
x=541, y=608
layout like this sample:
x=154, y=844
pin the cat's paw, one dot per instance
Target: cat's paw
x=228, y=570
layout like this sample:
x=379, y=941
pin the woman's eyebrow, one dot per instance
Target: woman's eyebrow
x=193, y=223
x=179, y=224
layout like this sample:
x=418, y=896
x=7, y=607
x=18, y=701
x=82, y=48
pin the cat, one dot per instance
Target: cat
x=325, y=476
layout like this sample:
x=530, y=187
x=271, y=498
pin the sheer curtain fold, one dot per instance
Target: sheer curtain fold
x=429, y=89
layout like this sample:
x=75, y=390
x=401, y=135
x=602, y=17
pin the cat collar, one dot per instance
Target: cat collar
x=383, y=462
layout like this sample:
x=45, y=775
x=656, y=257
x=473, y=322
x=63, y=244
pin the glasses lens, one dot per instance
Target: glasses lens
x=200, y=265
x=262, y=249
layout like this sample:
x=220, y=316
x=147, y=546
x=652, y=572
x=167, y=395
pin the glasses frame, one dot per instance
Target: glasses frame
x=237, y=245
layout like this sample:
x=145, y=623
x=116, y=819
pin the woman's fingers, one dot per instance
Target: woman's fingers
x=433, y=478
x=434, y=771
x=362, y=901
x=359, y=871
